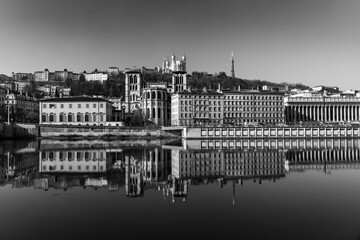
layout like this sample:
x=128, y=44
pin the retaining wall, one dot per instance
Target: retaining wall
x=15, y=130
x=106, y=131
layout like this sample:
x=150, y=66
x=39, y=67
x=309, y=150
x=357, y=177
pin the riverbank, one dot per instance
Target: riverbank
x=22, y=131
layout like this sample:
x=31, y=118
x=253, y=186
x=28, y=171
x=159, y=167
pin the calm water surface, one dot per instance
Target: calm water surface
x=263, y=189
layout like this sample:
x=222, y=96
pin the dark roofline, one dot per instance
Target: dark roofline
x=75, y=99
x=200, y=92
x=179, y=72
x=133, y=71
x=250, y=92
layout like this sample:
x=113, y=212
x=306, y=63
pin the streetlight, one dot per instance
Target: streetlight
x=8, y=114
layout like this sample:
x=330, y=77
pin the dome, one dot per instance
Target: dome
x=46, y=70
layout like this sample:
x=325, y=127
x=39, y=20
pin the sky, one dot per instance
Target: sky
x=314, y=42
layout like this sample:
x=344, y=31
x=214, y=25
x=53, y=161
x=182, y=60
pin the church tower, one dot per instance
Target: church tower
x=232, y=66
x=179, y=81
x=133, y=89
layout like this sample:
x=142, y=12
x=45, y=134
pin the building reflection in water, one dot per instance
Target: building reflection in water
x=170, y=170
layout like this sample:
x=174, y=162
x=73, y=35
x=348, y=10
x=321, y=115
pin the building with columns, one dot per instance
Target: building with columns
x=321, y=108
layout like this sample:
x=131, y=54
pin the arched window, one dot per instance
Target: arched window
x=78, y=117
x=43, y=117
x=62, y=117
x=87, y=117
x=70, y=117
x=159, y=95
x=153, y=95
x=153, y=113
x=94, y=116
x=148, y=95
x=181, y=79
x=131, y=79
x=135, y=79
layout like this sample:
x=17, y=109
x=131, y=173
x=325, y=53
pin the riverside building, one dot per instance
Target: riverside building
x=20, y=105
x=254, y=107
x=228, y=107
x=320, y=108
x=197, y=108
x=76, y=111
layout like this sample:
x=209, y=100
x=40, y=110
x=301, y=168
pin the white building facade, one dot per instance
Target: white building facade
x=75, y=111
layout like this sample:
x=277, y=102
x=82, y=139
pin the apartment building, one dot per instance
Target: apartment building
x=197, y=108
x=254, y=107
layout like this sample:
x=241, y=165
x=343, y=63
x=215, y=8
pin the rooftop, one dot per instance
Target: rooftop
x=75, y=99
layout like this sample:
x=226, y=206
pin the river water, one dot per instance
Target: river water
x=244, y=189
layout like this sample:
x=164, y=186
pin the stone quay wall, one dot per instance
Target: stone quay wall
x=15, y=130
x=51, y=131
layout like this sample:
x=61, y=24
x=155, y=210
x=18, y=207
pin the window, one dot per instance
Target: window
x=44, y=105
x=61, y=105
x=70, y=105
x=94, y=105
x=79, y=105
x=78, y=117
x=87, y=105
x=51, y=117
x=87, y=117
x=101, y=105
x=70, y=117
x=43, y=118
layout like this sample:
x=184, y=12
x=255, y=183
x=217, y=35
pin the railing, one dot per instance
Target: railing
x=322, y=99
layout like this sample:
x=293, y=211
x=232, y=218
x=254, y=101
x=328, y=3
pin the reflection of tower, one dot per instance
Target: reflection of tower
x=232, y=66
x=179, y=189
x=133, y=177
x=133, y=85
x=179, y=82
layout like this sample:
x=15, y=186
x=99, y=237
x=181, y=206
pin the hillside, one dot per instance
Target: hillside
x=3, y=77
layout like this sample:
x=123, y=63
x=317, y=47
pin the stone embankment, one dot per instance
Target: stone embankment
x=18, y=131
x=104, y=132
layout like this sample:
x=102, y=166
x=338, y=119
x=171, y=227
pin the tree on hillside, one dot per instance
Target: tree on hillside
x=30, y=88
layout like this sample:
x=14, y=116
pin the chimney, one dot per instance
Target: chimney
x=219, y=88
x=205, y=90
x=239, y=88
x=189, y=89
